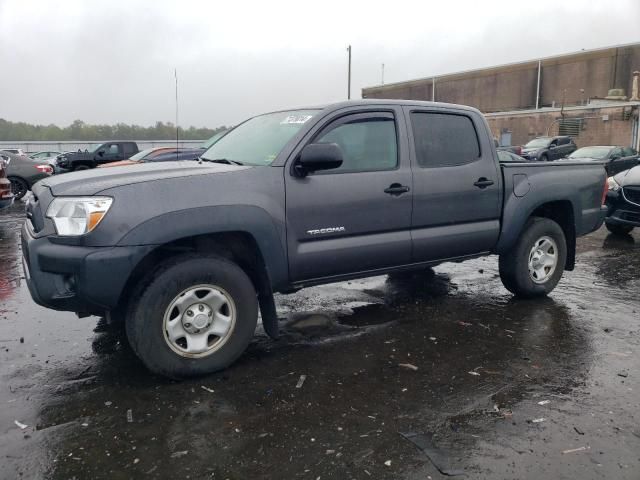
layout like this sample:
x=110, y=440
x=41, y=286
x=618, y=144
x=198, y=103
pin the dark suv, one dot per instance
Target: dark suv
x=548, y=148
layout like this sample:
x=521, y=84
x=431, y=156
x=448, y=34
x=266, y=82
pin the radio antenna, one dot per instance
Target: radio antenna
x=175, y=74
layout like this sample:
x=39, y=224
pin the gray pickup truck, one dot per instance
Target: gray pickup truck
x=187, y=253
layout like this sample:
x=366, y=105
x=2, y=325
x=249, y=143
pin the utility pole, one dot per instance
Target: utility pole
x=349, y=75
x=383, y=74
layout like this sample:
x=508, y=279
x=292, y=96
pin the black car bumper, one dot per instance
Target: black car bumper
x=72, y=278
x=621, y=211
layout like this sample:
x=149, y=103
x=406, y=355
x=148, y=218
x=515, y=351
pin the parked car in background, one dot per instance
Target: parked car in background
x=98, y=155
x=15, y=151
x=516, y=149
x=616, y=159
x=141, y=156
x=23, y=172
x=182, y=154
x=548, y=148
x=623, y=202
x=45, y=155
x=187, y=253
x=6, y=194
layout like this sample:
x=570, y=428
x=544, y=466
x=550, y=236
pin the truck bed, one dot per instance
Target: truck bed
x=528, y=184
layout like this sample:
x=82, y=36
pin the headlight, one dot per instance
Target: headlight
x=77, y=215
x=613, y=185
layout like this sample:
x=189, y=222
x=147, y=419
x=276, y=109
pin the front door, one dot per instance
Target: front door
x=354, y=218
x=457, y=185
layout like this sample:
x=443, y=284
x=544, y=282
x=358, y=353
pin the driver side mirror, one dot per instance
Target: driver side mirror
x=318, y=156
x=552, y=146
x=101, y=153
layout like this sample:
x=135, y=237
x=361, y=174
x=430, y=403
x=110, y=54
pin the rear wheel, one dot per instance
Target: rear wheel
x=534, y=265
x=19, y=187
x=619, y=229
x=195, y=316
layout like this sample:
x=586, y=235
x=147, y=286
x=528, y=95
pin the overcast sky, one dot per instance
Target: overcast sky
x=113, y=61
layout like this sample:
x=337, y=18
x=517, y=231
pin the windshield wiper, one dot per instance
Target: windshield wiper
x=221, y=160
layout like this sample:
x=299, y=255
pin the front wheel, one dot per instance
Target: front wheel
x=80, y=168
x=196, y=316
x=534, y=265
x=19, y=187
x=619, y=229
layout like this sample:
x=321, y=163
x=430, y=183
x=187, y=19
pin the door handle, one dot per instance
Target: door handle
x=483, y=182
x=396, y=189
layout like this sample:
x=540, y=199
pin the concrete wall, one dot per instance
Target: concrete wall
x=513, y=87
x=595, y=131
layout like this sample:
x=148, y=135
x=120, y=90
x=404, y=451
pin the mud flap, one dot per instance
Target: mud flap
x=268, y=312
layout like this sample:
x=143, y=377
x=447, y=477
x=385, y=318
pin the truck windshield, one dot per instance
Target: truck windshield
x=591, y=152
x=259, y=140
x=538, y=143
x=94, y=148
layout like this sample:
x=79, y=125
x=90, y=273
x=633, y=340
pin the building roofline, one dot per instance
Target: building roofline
x=573, y=108
x=504, y=65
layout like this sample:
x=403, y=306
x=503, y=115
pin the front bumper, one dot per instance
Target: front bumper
x=74, y=278
x=620, y=211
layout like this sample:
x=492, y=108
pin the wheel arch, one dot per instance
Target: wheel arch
x=561, y=211
x=238, y=246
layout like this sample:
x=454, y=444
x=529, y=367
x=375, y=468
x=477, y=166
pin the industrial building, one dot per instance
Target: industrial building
x=591, y=95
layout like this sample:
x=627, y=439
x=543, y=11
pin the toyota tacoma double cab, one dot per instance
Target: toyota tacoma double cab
x=188, y=253
x=98, y=155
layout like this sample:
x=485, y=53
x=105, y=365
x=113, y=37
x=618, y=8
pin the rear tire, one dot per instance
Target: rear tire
x=19, y=187
x=177, y=324
x=619, y=229
x=534, y=265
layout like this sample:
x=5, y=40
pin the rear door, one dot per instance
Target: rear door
x=456, y=183
x=565, y=147
x=110, y=152
x=355, y=218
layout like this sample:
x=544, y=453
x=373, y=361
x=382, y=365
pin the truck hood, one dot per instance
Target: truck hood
x=92, y=182
x=629, y=177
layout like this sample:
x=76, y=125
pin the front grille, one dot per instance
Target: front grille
x=632, y=194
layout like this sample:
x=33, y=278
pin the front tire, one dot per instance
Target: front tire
x=195, y=315
x=19, y=187
x=619, y=229
x=80, y=168
x=534, y=265
x=544, y=157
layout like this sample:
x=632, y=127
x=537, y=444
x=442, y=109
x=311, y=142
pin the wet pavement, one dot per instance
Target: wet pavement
x=412, y=376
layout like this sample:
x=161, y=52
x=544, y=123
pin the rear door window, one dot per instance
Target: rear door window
x=443, y=139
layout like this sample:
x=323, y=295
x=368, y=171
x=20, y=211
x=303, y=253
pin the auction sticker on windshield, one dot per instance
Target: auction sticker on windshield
x=295, y=119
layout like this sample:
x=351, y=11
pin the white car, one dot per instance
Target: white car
x=15, y=151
